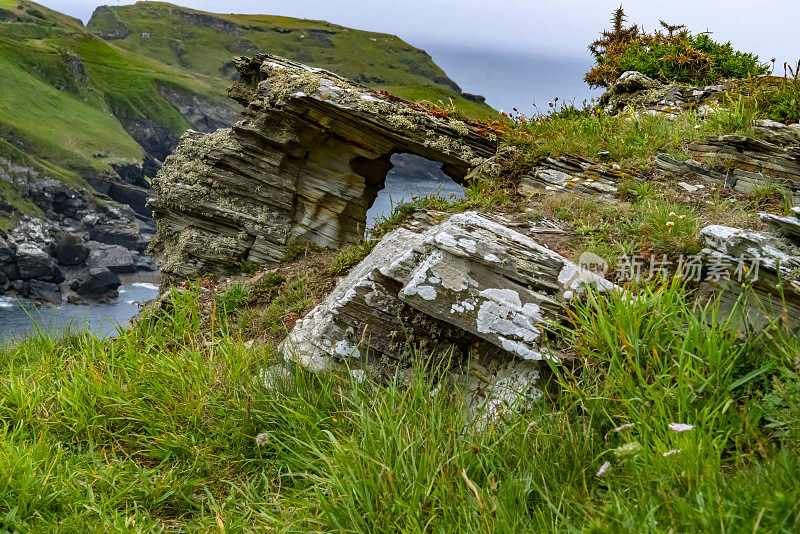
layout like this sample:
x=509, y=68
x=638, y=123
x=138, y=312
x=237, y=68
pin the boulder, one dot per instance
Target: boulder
x=134, y=196
x=44, y=292
x=143, y=263
x=122, y=234
x=304, y=163
x=467, y=284
x=34, y=263
x=71, y=250
x=22, y=287
x=98, y=283
x=766, y=264
x=8, y=260
x=114, y=257
x=632, y=81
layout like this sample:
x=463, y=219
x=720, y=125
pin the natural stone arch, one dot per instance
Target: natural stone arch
x=304, y=162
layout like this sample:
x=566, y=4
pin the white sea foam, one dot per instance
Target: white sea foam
x=7, y=302
x=146, y=285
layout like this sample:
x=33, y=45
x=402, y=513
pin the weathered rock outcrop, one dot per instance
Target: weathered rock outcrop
x=304, y=163
x=635, y=91
x=467, y=284
x=758, y=273
x=751, y=162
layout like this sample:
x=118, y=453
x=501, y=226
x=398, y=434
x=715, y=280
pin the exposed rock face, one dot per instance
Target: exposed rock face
x=466, y=284
x=772, y=269
x=634, y=90
x=55, y=244
x=8, y=263
x=202, y=114
x=71, y=250
x=304, y=163
x=44, y=292
x=116, y=258
x=755, y=161
x=34, y=262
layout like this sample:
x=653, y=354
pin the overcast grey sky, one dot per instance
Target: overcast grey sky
x=551, y=27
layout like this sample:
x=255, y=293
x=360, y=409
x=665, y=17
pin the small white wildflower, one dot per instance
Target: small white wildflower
x=624, y=427
x=604, y=469
x=680, y=427
x=359, y=375
x=628, y=449
x=262, y=439
x=671, y=452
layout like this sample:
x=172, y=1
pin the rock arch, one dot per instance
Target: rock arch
x=304, y=162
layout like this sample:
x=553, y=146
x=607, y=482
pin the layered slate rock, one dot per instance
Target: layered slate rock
x=304, y=162
x=756, y=274
x=468, y=284
x=755, y=161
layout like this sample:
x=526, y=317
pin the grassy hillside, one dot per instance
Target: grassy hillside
x=62, y=87
x=70, y=98
x=205, y=43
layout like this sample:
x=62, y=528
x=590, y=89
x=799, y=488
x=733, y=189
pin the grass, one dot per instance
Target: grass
x=630, y=140
x=165, y=428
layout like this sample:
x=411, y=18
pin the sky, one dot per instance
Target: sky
x=506, y=37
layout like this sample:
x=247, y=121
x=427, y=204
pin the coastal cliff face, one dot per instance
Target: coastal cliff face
x=304, y=163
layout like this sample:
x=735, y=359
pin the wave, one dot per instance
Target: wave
x=7, y=302
x=146, y=285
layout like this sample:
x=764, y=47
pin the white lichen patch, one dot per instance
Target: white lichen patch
x=426, y=292
x=503, y=313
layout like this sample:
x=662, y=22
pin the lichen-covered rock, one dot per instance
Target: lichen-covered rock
x=304, y=163
x=753, y=161
x=635, y=91
x=467, y=284
x=755, y=274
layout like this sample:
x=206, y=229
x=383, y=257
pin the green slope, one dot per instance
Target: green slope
x=69, y=98
x=205, y=43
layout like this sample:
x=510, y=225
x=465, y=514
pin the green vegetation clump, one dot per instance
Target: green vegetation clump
x=631, y=140
x=673, y=54
x=233, y=299
x=778, y=97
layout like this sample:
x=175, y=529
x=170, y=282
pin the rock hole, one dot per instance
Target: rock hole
x=411, y=177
